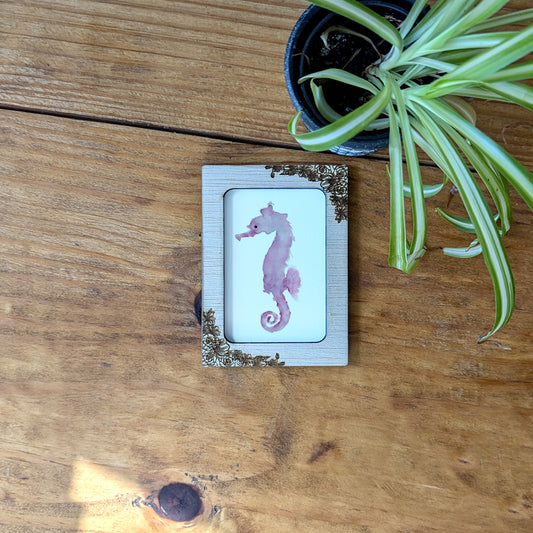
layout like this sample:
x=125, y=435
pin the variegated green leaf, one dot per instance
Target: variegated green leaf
x=479, y=213
x=364, y=15
x=337, y=74
x=342, y=129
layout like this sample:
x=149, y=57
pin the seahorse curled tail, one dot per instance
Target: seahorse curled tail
x=274, y=322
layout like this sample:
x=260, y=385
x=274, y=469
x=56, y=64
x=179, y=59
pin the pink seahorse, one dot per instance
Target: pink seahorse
x=275, y=280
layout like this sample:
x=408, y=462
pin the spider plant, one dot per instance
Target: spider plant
x=456, y=50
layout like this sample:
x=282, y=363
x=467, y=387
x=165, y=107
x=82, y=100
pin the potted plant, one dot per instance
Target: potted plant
x=322, y=39
x=425, y=65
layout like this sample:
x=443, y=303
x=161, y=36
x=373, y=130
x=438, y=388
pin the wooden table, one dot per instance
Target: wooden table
x=108, y=110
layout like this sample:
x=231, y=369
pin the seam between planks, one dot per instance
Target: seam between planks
x=169, y=129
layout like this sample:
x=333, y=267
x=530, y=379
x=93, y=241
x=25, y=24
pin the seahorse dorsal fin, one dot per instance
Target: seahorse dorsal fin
x=268, y=209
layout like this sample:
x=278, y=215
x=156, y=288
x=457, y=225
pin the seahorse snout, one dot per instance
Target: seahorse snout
x=250, y=233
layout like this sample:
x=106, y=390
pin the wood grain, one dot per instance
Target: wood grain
x=213, y=68
x=103, y=398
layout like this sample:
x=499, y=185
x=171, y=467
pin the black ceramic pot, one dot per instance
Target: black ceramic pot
x=302, y=45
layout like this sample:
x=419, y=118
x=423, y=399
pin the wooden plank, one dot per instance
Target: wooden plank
x=103, y=398
x=207, y=67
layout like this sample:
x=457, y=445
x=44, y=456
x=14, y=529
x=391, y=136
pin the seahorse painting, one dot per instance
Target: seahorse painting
x=276, y=279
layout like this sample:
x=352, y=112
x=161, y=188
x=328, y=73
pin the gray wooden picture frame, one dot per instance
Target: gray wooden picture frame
x=216, y=349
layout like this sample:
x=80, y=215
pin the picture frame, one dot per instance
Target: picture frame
x=274, y=239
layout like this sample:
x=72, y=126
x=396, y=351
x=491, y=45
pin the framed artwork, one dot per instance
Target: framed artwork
x=274, y=265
